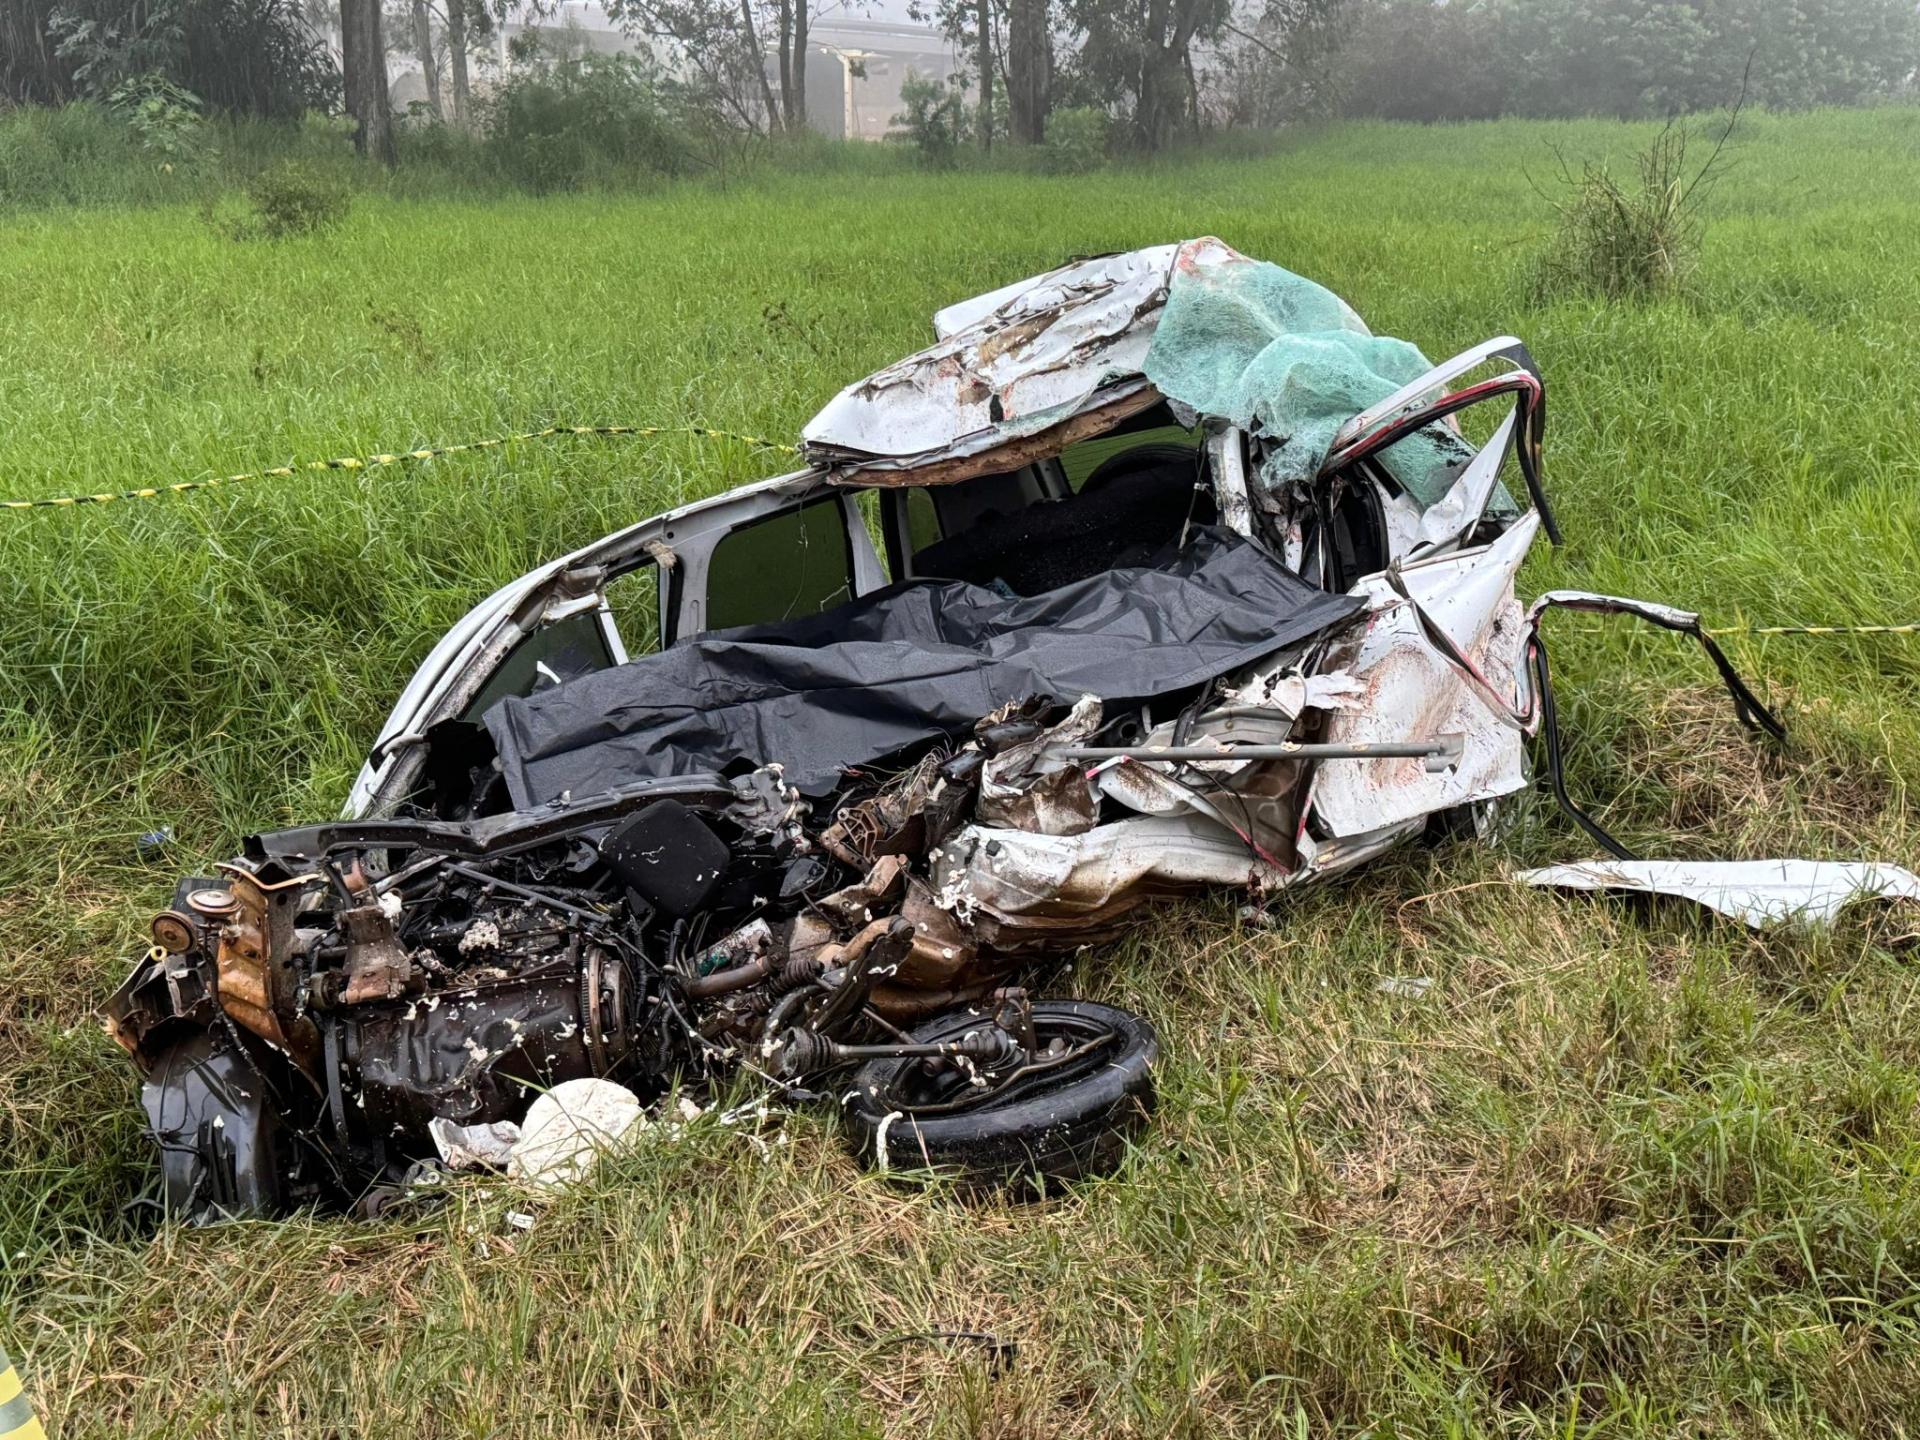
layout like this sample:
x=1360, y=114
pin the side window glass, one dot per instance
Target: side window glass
x=554, y=653
x=634, y=599
x=1082, y=461
x=923, y=521
x=799, y=562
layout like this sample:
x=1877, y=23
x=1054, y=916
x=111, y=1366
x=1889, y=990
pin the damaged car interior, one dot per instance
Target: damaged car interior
x=823, y=779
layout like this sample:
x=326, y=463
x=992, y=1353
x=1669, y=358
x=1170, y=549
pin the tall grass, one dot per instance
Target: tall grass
x=1625, y=1171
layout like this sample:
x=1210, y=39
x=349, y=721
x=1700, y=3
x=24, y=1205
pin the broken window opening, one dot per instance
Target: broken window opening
x=634, y=601
x=796, y=563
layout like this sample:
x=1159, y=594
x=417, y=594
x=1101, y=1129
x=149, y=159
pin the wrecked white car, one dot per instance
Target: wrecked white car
x=1157, y=573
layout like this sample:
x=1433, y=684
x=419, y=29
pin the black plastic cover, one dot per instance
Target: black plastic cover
x=668, y=855
x=906, y=664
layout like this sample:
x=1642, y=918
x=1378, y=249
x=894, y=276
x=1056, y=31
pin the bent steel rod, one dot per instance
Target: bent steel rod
x=1379, y=750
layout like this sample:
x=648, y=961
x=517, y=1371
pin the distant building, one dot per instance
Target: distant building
x=855, y=63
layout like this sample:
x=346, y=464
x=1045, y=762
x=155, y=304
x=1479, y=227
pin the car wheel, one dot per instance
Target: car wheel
x=1046, y=1123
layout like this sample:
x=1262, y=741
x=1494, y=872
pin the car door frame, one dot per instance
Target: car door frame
x=679, y=543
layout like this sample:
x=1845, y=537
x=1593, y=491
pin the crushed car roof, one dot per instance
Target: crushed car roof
x=1012, y=363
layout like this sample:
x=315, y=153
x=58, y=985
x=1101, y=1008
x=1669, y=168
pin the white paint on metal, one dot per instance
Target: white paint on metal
x=1758, y=893
x=1414, y=692
x=1009, y=364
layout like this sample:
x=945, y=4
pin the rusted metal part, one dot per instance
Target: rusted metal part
x=377, y=967
x=909, y=814
x=1033, y=786
x=878, y=892
x=252, y=980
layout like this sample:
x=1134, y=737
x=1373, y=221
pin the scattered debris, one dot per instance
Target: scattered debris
x=571, y=1127
x=474, y=1147
x=1758, y=893
x=836, y=804
x=1413, y=987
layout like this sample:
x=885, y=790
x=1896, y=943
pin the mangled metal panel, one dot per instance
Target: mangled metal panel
x=1018, y=891
x=1442, y=653
x=1758, y=893
x=1013, y=364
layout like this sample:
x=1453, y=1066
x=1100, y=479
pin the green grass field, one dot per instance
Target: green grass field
x=1622, y=1171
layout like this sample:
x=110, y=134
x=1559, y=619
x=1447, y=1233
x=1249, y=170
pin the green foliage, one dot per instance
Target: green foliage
x=58, y=155
x=236, y=57
x=1415, y=60
x=1076, y=140
x=297, y=198
x=934, y=121
x=598, y=119
x=163, y=119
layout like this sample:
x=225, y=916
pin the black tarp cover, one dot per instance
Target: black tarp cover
x=906, y=664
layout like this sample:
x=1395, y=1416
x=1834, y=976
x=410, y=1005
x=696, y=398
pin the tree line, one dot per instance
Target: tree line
x=1154, y=71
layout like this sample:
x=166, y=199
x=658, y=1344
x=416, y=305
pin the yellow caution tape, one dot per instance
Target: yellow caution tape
x=1913, y=629
x=17, y=1420
x=366, y=462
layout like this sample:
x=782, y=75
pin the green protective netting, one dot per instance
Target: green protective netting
x=1247, y=342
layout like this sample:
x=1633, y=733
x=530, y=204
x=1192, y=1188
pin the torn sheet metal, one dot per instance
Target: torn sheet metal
x=1414, y=690
x=1009, y=364
x=1018, y=890
x=1023, y=787
x=1759, y=893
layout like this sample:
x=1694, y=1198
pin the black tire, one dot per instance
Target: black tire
x=1048, y=1126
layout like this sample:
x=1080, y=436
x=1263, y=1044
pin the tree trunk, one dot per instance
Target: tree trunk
x=1029, y=71
x=363, y=68
x=423, y=48
x=802, y=23
x=457, y=60
x=786, y=65
x=759, y=55
x=983, y=21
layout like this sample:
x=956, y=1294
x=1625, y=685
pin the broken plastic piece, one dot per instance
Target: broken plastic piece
x=1758, y=892
x=569, y=1128
x=473, y=1147
x=669, y=855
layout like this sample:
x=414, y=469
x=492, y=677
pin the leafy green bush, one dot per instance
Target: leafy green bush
x=163, y=119
x=577, y=122
x=932, y=121
x=1076, y=140
x=235, y=57
x=295, y=198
